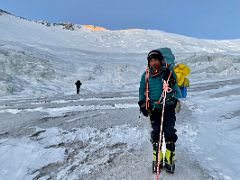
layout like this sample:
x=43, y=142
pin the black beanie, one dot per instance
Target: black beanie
x=155, y=54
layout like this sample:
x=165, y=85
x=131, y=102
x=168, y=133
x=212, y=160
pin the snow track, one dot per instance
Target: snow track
x=99, y=143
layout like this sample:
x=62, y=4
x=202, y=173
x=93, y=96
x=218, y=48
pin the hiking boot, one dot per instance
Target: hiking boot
x=154, y=166
x=169, y=161
x=155, y=158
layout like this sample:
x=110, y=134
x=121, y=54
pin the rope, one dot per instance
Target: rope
x=166, y=89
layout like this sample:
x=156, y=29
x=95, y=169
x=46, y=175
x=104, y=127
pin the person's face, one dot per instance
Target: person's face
x=155, y=63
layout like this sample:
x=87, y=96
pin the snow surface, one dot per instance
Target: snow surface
x=48, y=132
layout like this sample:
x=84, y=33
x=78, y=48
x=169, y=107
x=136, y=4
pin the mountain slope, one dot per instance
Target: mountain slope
x=38, y=59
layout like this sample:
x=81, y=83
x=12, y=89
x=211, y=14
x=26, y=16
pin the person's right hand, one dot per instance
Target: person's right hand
x=142, y=105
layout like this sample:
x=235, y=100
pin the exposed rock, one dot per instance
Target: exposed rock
x=4, y=12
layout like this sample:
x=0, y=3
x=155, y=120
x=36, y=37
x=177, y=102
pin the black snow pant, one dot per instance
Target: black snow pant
x=78, y=90
x=168, y=126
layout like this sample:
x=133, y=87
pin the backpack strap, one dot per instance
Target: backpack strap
x=146, y=87
x=166, y=64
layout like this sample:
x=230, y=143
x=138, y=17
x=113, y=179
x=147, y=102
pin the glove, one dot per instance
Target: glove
x=171, y=81
x=142, y=105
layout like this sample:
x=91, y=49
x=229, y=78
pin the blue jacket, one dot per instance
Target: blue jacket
x=155, y=86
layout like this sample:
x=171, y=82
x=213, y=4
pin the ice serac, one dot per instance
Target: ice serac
x=39, y=57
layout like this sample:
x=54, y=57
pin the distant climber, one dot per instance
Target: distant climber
x=78, y=85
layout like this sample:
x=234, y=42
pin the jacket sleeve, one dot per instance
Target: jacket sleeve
x=142, y=88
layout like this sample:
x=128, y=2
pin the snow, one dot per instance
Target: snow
x=54, y=112
x=218, y=122
x=23, y=156
x=48, y=132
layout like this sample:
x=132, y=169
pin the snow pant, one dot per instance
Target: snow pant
x=168, y=126
x=78, y=90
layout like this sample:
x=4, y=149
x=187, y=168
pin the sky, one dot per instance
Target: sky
x=205, y=19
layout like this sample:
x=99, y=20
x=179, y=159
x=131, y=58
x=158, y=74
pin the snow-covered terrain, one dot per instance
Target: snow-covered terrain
x=48, y=132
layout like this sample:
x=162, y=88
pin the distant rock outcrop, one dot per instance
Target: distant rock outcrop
x=67, y=25
x=64, y=25
x=4, y=12
x=71, y=26
x=46, y=23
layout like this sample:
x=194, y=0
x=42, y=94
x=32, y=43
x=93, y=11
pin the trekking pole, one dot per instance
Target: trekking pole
x=166, y=89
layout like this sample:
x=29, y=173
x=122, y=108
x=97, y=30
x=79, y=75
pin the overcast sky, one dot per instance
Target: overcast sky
x=208, y=19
